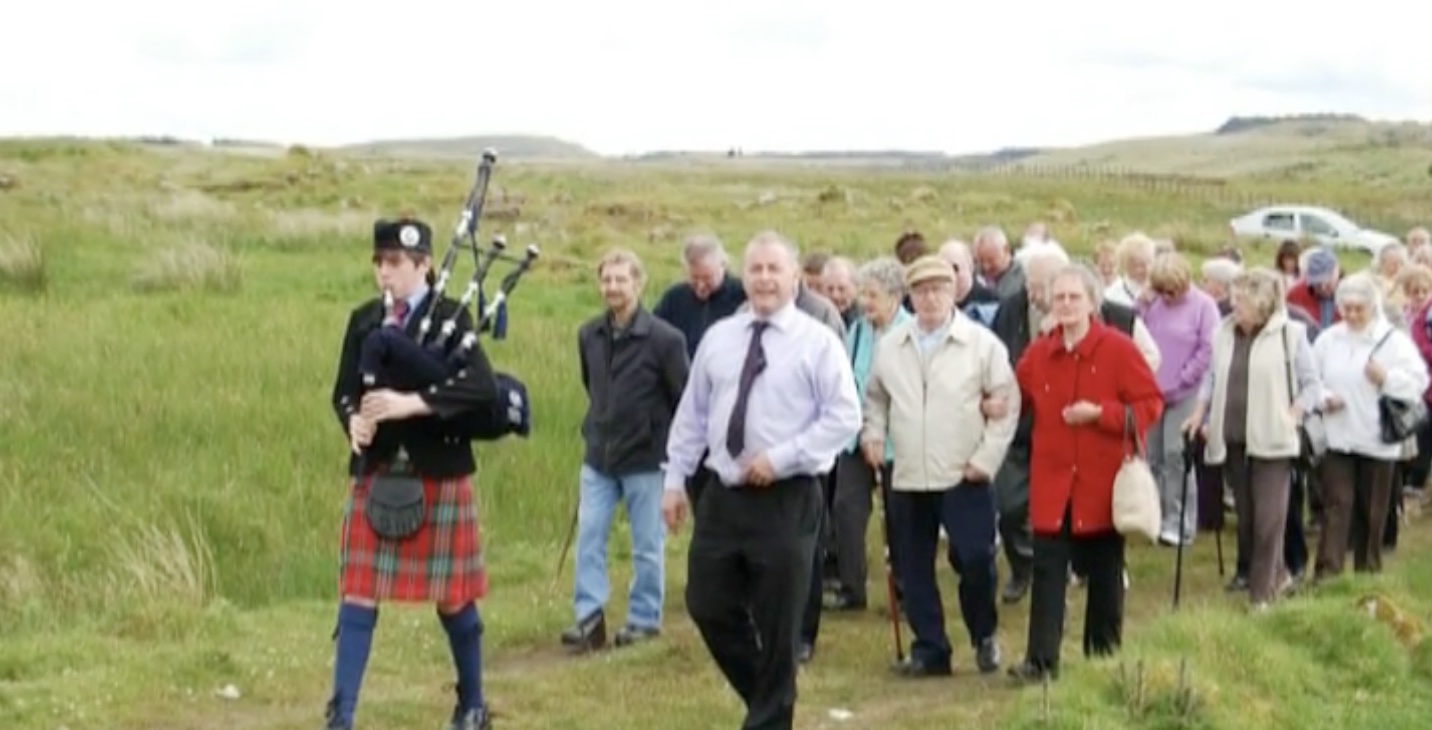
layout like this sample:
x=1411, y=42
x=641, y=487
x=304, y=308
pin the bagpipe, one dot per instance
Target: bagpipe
x=391, y=358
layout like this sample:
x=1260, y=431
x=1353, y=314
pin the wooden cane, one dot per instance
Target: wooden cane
x=889, y=565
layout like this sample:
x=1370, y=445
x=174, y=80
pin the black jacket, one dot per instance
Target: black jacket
x=438, y=445
x=1012, y=327
x=680, y=307
x=633, y=380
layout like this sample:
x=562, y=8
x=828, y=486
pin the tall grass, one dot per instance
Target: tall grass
x=167, y=447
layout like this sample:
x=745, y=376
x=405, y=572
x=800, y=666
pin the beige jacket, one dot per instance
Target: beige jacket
x=930, y=403
x=1280, y=373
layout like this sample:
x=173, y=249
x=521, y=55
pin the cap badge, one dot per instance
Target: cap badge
x=409, y=236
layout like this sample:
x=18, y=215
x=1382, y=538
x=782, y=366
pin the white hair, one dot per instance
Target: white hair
x=1042, y=253
x=1359, y=287
x=1221, y=270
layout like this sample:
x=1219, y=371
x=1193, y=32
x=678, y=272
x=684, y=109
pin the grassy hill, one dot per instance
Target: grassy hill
x=510, y=146
x=171, y=472
x=1306, y=148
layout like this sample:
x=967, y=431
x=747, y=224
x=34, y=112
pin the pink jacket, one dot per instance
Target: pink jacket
x=1417, y=327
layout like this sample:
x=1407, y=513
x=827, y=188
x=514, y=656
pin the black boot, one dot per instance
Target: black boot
x=473, y=719
x=589, y=634
x=331, y=720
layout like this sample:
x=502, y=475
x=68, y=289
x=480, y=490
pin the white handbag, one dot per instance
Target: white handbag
x=1136, y=494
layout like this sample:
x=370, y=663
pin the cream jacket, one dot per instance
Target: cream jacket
x=1341, y=356
x=1279, y=358
x=925, y=392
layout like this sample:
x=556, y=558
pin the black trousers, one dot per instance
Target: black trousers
x=1011, y=485
x=850, y=518
x=968, y=516
x=815, y=593
x=748, y=578
x=1100, y=559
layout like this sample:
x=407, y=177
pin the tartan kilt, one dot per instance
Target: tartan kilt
x=441, y=563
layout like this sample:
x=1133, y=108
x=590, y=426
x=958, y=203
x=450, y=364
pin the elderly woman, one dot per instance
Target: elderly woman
x=1360, y=359
x=1390, y=261
x=1218, y=275
x=1417, y=285
x=1090, y=393
x=1261, y=382
x=880, y=286
x=1135, y=255
x=1181, y=319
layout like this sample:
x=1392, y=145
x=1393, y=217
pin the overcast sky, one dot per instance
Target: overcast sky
x=623, y=76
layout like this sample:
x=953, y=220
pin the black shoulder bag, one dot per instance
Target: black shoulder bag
x=1399, y=419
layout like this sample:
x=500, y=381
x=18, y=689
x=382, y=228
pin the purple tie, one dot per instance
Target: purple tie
x=755, y=363
x=400, y=311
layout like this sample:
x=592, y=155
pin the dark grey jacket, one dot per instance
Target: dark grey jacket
x=633, y=380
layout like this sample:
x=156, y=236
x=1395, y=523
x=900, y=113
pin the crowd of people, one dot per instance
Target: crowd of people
x=986, y=396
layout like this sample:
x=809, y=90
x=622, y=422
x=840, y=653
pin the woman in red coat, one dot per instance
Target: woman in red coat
x=1077, y=381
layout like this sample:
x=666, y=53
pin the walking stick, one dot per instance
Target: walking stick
x=889, y=565
x=566, y=546
x=1188, y=456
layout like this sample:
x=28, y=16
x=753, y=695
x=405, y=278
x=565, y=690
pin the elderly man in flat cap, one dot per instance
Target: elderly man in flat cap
x=928, y=379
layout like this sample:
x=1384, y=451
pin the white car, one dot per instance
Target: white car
x=1326, y=227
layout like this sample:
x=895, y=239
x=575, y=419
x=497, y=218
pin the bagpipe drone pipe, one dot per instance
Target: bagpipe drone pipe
x=391, y=358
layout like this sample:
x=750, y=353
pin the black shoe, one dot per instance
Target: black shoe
x=805, y=653
x=331, y=720
x=588, y=634
x=987, y=656
x=1239, y=583
x=914, y=668
x=628, y=635
x=1015, y=588
x=473, y=719
x=1026, y=672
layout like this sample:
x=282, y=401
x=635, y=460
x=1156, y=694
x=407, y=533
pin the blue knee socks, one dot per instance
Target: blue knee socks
x=464, y=630
x=355, y=638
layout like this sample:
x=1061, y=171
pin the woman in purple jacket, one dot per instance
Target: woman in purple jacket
x=1181, y=318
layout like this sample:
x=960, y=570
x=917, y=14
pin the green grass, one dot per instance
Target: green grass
x=171, y=473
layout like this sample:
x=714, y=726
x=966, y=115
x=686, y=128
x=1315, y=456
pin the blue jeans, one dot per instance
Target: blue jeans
x=641, y=492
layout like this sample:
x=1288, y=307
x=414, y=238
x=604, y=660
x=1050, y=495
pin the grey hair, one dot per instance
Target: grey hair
x=769, y=238
x=1359, y=287
x=839, y=262
x=1093, y=285
x=991, y=234
x=1261, y=287
x=1391, y=248
x=1221, y=270
x=703, y=247
x=885, y=272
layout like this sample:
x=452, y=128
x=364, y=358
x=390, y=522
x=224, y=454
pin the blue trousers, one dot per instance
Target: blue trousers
x=597, y=503
x=967, y=512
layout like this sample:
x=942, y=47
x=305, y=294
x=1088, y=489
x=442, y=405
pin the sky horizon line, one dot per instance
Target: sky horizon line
x=438, y=136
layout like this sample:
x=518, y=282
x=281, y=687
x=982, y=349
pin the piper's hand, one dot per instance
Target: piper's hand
x=388, y=405
x=760, y=472
x=360, y=432
x=673, y=509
